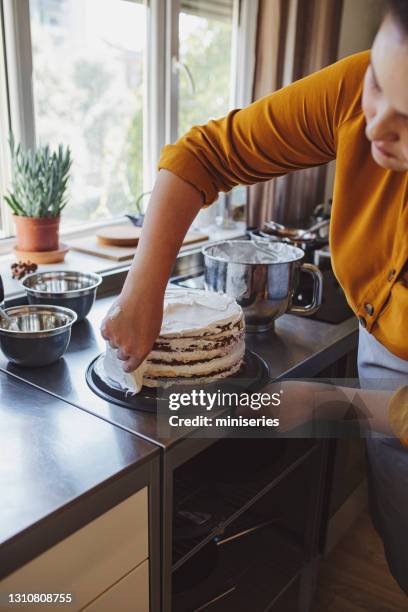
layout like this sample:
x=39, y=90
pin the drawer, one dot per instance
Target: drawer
x=90, y=560
x=131, y=594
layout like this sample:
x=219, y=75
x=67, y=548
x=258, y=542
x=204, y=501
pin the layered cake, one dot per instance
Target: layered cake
x=201, y=340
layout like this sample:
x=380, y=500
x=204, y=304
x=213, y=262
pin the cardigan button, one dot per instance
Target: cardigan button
x=363, y=322
x=369, y=308
x=391, y=275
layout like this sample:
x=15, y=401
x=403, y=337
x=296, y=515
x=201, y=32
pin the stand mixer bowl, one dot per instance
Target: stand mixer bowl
x=262, y=276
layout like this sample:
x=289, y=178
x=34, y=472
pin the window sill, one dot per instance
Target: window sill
x=75, y=260
x=6, y=244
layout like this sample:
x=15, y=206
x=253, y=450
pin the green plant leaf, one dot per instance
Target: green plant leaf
x=39, y=180
x=14, y=205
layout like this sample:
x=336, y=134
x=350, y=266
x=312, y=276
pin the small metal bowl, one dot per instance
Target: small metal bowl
x=43, y=335
x=67, y=288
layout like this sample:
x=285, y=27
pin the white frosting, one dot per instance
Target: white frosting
x=191, y=319
x=198, y=312
x=111, y=368
x=115, y=312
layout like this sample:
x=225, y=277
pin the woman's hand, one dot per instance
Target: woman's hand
x=132, y=325
x=134, y=321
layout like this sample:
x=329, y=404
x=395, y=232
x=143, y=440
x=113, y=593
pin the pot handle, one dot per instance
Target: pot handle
x=317, y=291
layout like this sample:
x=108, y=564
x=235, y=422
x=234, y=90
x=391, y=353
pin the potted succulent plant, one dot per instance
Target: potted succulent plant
x=38, y=195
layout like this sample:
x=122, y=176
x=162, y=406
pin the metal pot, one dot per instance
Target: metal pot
x=66, y=288
x=308, y=246
x=262, y=277
x=42, y=336
x=319, y=230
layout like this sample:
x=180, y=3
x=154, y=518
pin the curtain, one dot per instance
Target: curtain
x=294, y=38
x=213, y=9
x=271, y=30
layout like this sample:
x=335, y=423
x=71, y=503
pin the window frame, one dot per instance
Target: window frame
x=243, y=48
x=161, y=87
x=5, y=162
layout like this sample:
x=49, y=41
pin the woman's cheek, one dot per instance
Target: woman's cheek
x=368, y=104
x=367, y=100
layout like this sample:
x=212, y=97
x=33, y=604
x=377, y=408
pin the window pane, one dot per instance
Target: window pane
x=205, y=39
x=88, y=71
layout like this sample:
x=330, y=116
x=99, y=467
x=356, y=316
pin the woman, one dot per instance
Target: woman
x=355, y=111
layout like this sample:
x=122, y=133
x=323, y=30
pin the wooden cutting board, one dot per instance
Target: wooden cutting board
x=93, y=245
x=119, y=235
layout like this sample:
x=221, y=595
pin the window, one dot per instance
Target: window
x=204, y=65
x=88, y=86
x=5, y=225
x=116, y=80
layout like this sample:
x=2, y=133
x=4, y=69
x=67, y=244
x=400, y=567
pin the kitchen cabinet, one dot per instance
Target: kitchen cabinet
x=131, y=594
x=92, y=559
x=244, y=528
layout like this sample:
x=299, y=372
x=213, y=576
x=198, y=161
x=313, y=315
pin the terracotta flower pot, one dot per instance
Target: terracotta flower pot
x=37, y=233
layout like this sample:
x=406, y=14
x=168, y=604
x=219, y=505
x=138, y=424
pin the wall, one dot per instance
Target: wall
x=359, y=23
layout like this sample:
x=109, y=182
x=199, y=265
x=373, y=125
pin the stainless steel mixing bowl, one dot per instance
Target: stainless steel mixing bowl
x=43, y=335
x=262, y=276
x=67, y=288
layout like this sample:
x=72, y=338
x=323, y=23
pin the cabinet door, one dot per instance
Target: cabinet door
x=131, y=594
x=89, y=561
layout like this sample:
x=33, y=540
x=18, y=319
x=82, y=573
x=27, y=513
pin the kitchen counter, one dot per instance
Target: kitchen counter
x=298, y=347
x=60, y=469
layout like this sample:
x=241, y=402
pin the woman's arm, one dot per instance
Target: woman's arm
x=133, y=323
x=291, y=129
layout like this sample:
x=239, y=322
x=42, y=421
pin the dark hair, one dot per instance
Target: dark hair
x=399, y=10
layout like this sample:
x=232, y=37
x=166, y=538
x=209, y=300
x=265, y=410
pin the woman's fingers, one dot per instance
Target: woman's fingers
x=122, y=355
x=107, y=335
x=131, y=328
x=104, y=332
x=130, y=358
x=132, y=363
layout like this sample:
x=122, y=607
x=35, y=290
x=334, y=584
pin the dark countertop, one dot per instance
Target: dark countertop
x=298, y=347
x=60, y=468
